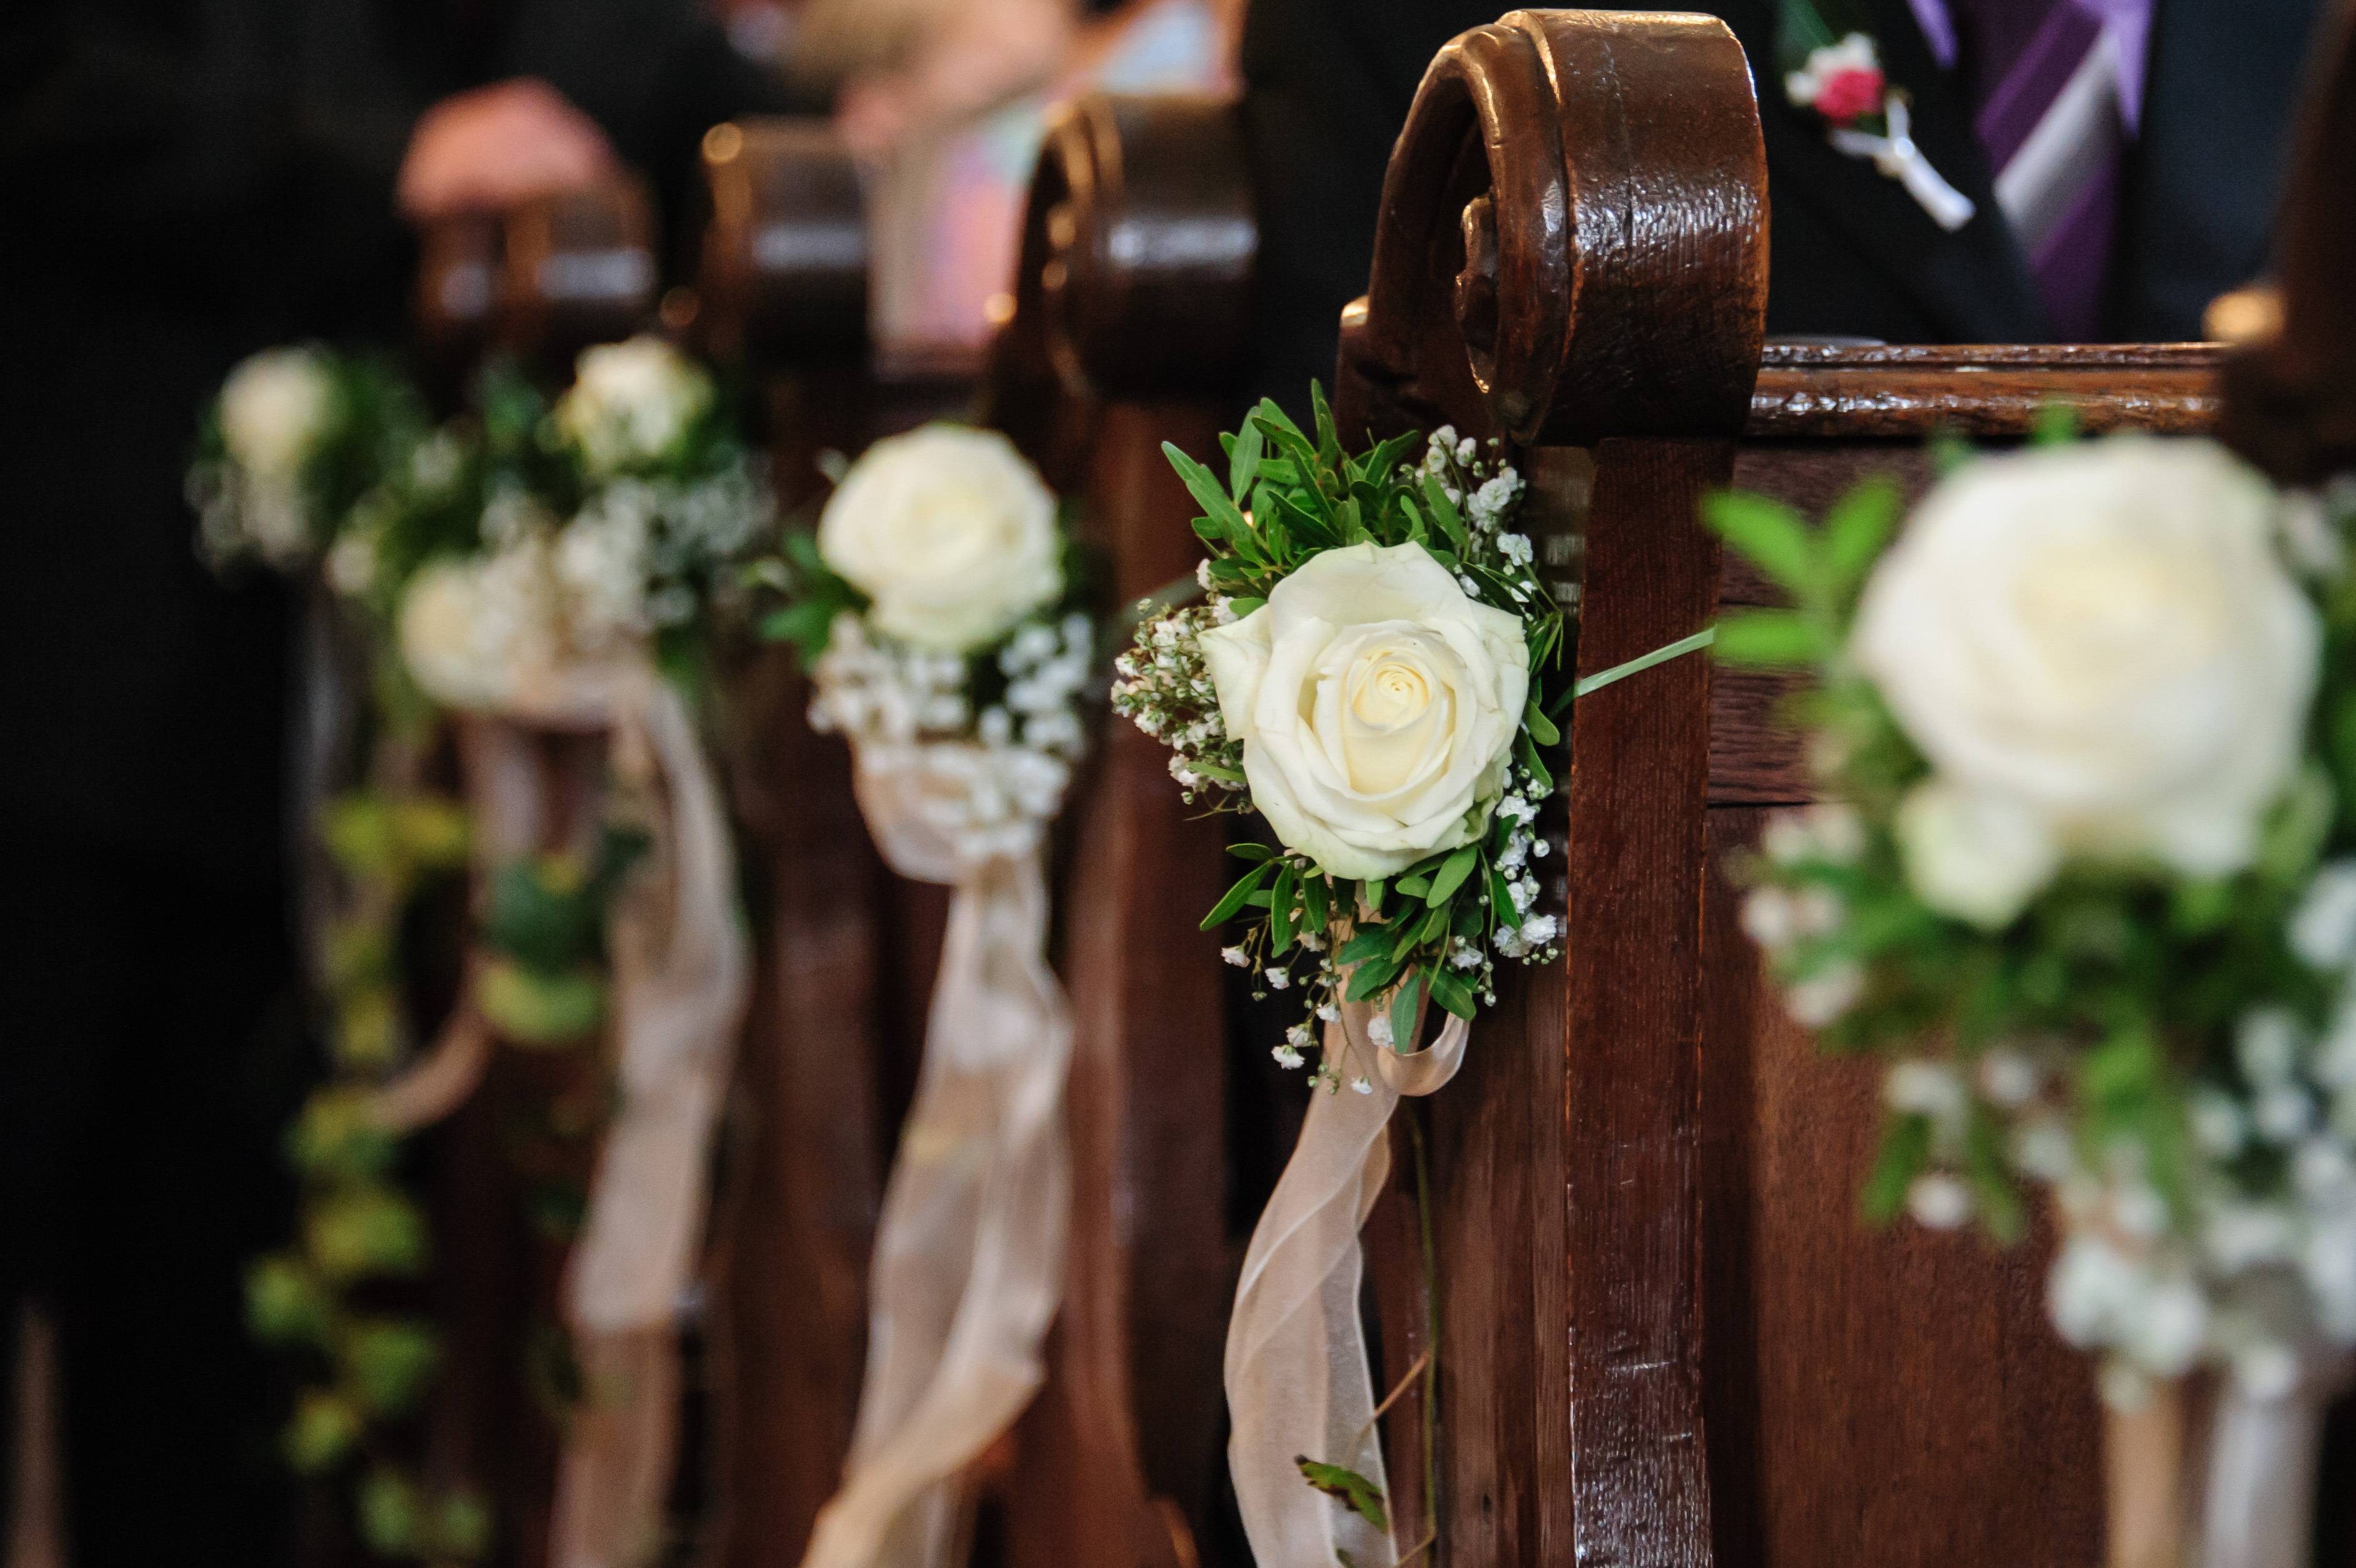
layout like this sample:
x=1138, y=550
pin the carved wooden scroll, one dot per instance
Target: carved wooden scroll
x=1130, y=306
x=1663, y=1337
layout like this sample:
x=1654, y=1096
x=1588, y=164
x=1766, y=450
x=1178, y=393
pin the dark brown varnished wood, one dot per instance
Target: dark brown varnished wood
x=2290, y=403
x=828, y=1047
x=1512, y=293
x=1129, y=310
x=1852, y=393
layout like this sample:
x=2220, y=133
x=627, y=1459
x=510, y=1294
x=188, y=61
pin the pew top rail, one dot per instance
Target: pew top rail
x=542, y=281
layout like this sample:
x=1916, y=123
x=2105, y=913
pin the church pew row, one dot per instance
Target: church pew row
x=1118, y=1459
x=1131, y=305
x=538, y=283
x=1664, y=1337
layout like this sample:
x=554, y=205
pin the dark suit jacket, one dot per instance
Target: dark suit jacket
x=1329, y=83
x=185, y=181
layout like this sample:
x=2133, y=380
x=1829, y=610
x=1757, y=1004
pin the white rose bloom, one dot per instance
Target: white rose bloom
x=475, y=632
x=2100, y=638
x=630, y=402
x=1376, y=704
x=274, y=408
x=1979, y=857
x=949, y=531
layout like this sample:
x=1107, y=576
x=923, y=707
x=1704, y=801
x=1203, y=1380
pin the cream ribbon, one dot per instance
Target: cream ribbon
x=1898, y=158
x=1297, y=1377
x=2244, y=1488
x=969, y=1266
x=682, y=972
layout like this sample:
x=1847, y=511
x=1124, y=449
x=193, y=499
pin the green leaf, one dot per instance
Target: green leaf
x=1453, y=992
x=1280, y=900
x=1769, y=638
x=1317, y=909
x=1243, y=461
x=1443, y=512
x=1414, y=886
x=284, y=1304
x=1368, y=941
x=1329, y=435
x=1255, y=853
x=1372, y=979
x=1770, y=534
x=1212, y=496
x=389, y=1515
x=1236, y=896
x=323, y=1431
x=461, y=1526
x=1356, y=1493
x=1451, y=874
x=2057, y=424
x=1372, y=893
x=1405, y=1004
x=386, y=1364
x=1905, y=1146
x=1860, y=524
x=530, y=1007
x=1542, y=728
x=1501, y=899
x=373, y=1230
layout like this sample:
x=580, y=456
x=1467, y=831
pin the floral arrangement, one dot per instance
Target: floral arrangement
x=938, y=608
x=296, y=436
x=1374, y=671
x=942, y=611
x=2087, y=876
x=521, y=558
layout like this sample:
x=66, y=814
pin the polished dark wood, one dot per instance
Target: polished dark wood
x=542, y=281
x=1664, y=1335
x=827, y=1060
x=1982, y=391
x=1130, y=306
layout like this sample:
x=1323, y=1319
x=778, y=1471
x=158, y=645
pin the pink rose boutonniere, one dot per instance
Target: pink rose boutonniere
x=1842, y=84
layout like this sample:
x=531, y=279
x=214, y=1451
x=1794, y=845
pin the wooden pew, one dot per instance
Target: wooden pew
x=1130, y=306
x=1126, y=331
x=1664, y=1335
x=828, y=1049
x=540, y=283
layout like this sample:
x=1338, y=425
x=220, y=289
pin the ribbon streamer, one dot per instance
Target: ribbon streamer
x=1297, y=1377
x=969, y=1265
x=1897, y=157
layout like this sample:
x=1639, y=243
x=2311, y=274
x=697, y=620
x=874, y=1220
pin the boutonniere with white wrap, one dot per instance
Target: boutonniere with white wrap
x=1377, y=673
x=524, y=572
x=1838, y=78
x=2090, y=891
x=937, y=610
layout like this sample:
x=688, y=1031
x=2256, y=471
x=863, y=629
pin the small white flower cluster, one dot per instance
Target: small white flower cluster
x=1782, y=921
x=1488, y=496
x=2251, y=1264
x=664, y=540
x=1162, y=686
x=991, y=775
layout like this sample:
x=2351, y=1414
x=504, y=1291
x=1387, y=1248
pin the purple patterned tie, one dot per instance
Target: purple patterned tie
x=2053, y=87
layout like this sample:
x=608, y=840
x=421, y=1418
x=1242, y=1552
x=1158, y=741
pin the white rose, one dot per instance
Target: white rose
x=1376, y=704
x=1979, y=857
x=274, y=408
x=473, y=633
x=631, y=402
x=2095, y=645
x=949, y=531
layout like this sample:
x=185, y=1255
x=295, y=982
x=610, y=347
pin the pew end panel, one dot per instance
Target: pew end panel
x=1130, y=306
